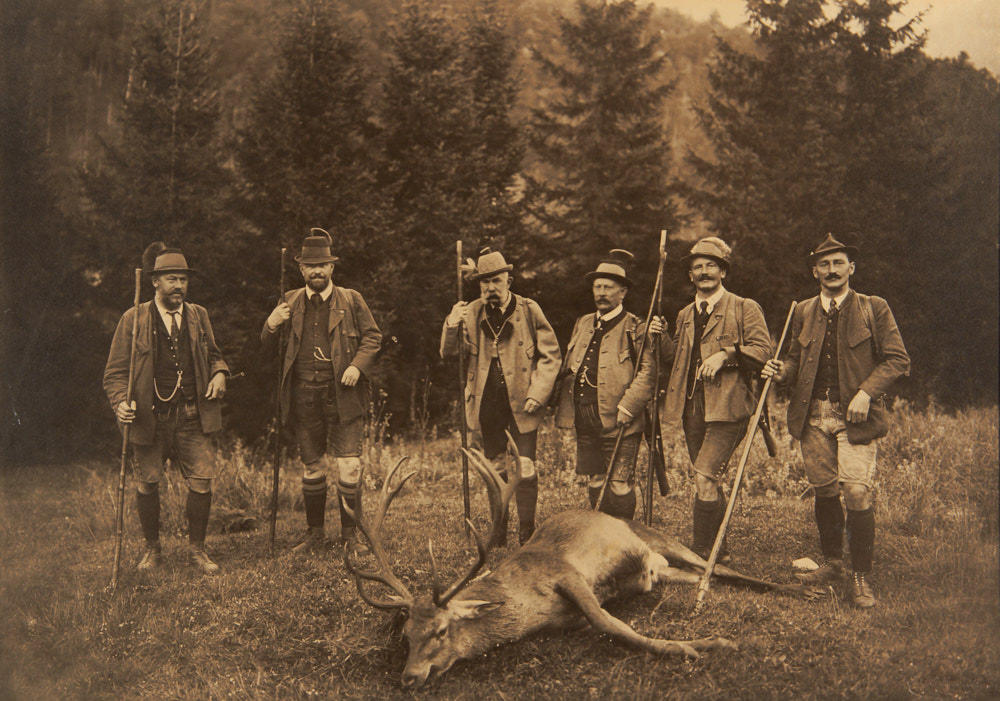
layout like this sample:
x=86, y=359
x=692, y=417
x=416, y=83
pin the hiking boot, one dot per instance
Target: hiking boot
x=830, y=572
x=861, y=591
x=201, y=560
x=314, y=540
x=151, y=559
x=524, y=532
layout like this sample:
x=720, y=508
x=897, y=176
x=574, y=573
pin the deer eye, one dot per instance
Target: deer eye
x=439, y=632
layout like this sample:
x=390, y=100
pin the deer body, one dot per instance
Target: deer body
x=574, y=562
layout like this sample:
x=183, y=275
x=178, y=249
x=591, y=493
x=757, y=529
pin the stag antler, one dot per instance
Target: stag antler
x=499, y=492
x=383, y=574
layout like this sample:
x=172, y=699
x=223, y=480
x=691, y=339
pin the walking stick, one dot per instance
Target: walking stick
x=120, y=516
x=461, y=391
x=747, y=444
x=635, y=370
x=656, y=461
x=277, y=409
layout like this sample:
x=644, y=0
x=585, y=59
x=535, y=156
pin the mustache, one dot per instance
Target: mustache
x=702, y=278
x=832, y=276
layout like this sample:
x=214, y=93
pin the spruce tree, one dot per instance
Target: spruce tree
x=308, y=151
x=602, y=143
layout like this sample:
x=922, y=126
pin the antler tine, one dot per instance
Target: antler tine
x=361, y=575
x=435, y=585
x=481, y=550
x=492, y=480
x=384, y=573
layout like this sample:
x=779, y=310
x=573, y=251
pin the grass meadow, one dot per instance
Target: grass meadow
x=292, y=626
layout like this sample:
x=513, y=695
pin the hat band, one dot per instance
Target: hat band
x=170, y=261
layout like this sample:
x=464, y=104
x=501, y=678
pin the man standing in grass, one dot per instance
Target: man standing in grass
x=180, y=376
x=845, y=353
x=602, y=393
x=332, y=346
x=513, y=361
x=707, y=394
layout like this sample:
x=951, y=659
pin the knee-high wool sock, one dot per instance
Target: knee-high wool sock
x=148, y=508
x=198, y=506
x=830, y=524
x=314, y=498
x=861, y=538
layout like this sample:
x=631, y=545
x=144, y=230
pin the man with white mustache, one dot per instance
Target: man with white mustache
x=845, y=352
x=715, y=334
x=331, y=349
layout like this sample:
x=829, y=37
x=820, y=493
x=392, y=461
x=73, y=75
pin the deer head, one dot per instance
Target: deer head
x=437, y=627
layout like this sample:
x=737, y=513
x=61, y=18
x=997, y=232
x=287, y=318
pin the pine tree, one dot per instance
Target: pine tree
x=163, y=176
x=308, y=151
x=601, y=140
x=442, y=114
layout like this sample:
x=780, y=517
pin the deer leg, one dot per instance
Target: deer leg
x=575, y=589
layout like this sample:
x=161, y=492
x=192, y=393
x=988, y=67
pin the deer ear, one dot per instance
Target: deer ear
x=473, y=608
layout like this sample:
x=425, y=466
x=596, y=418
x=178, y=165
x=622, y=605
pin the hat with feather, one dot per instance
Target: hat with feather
x=614, y=266
x=316, y=248
x=490, y=263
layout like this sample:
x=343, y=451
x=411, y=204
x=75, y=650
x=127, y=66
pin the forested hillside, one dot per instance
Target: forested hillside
x=553, y=130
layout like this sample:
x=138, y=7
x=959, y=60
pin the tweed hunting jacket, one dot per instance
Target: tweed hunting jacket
x=529, y=357
x=727, y=397
x=615, y=384
x=207, y=357
x=355, y=339
x=859, y=364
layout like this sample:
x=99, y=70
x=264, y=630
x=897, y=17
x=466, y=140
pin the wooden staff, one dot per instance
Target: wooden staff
x=277, y=409
x=635, y=369
x=126, y=429
x=461, y=391
x=747, y=444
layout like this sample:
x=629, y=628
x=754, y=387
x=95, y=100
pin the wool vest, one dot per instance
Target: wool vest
x=827, y=385
x=315, y=342
x=172, y=356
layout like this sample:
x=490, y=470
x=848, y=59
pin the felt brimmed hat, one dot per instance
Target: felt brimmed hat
x=710, y=247
x=158, y=259
x=613, y=266
x=832, y=245
x=490, y=263
x=316, y=248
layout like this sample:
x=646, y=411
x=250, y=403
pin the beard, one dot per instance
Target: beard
x=318, y=283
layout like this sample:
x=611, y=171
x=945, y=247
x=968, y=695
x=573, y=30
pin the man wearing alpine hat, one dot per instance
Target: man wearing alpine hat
x=601, y=393
x=331, y=348
x=845, y=353
x=180, y=379
x=513, y=362
x=707, y=394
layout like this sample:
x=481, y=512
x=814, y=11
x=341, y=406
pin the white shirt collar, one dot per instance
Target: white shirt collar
x=324, y=295
x=167, y=315
x=712, y=300
x=612, y=314
x=825, y=301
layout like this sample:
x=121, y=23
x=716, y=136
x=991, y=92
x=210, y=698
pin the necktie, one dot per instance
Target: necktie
x=833, y=307
x=175, y=317
x=702, y=312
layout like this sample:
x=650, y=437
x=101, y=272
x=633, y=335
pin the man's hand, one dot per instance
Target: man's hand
x=712, y=365
x=216, y=386
x=857, y=410
x=125, y=412
x=624, y=418
x=456, y=314
x=657, y=326
x=350, y=376
x=279, y=316
x=773, y=368
x=531, y=406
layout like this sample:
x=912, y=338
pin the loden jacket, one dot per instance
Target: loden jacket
x=735, y=321
x=868, y=358
x=616, y=365
x=529, y=358
x=355, y=340
x=207, y=361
